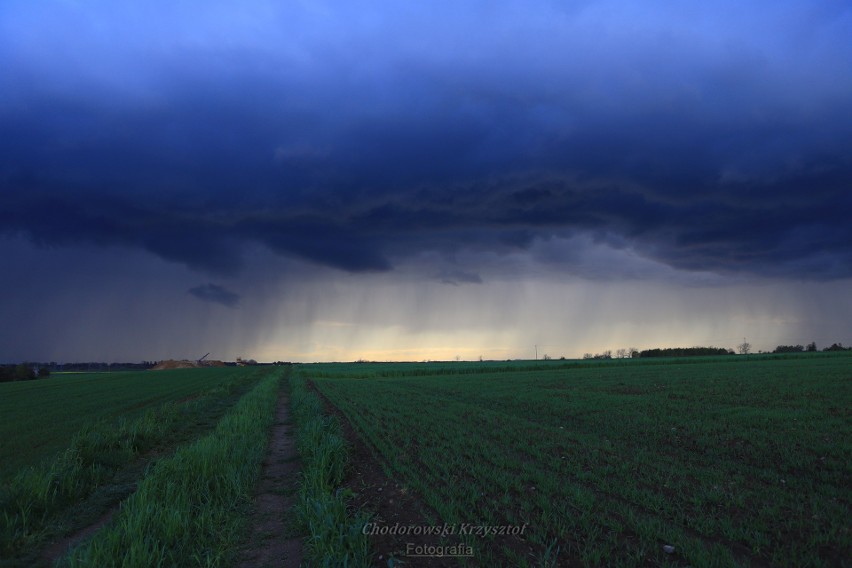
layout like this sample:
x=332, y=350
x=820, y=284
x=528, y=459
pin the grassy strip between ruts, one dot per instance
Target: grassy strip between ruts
x=334, y=536
x=31, y=499
x=188, y=509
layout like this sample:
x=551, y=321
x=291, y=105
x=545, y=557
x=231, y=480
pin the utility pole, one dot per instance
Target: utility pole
x=536, y=352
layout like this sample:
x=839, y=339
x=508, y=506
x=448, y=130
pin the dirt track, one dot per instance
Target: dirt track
x=271, y=541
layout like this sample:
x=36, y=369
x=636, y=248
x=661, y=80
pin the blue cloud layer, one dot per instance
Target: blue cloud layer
x=707, y=138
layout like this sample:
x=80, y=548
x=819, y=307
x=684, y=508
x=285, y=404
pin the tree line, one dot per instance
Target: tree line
x=810, y=348
x=28, y=371
x=633, y=353
x=743, y=348
x=23, y=372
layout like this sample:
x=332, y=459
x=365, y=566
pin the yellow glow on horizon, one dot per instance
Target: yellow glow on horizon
x=517, y=320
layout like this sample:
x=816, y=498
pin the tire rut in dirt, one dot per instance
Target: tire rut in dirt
x=272, y=542
x=389, y=501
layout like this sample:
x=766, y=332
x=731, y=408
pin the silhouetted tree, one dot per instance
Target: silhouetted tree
x=744, y=348
x=24, y=372
x=683, y=352
x=811, y=348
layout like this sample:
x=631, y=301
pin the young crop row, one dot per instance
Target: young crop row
x=32, y=500
x=187, y=511
x=727, y=463
x=334, y=536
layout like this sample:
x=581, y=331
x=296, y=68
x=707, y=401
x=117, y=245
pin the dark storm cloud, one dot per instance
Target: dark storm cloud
x=319, y=239
x=456, y=277
x=354, y=139
x=215, y=294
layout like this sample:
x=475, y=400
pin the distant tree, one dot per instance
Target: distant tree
x=837, y=347
x=632, y=352
x=6, y=374
x=546, y=357
x=44, y=372
x=789, y=349
x=811, y=348
x=621, y=353
x=588, y=356
x=23, y=372
x=744, y=348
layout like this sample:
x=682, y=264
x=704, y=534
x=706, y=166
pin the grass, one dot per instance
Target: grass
x=39, y=418
x=363, y=370
x=36, y=502
x=334, y=534
x=731, y=461
x=189, y=510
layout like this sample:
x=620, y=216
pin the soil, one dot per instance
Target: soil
x=58, y=549
x=271, y=541
x=84, y=519
x=184, y=364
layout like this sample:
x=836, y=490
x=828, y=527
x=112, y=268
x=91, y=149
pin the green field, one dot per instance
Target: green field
x=732, y=461
x=729, y=460
x=188, y=511
x=39, y=418
x=84, y=443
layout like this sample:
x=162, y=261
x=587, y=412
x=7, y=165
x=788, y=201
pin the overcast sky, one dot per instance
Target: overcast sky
x=329, y=180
